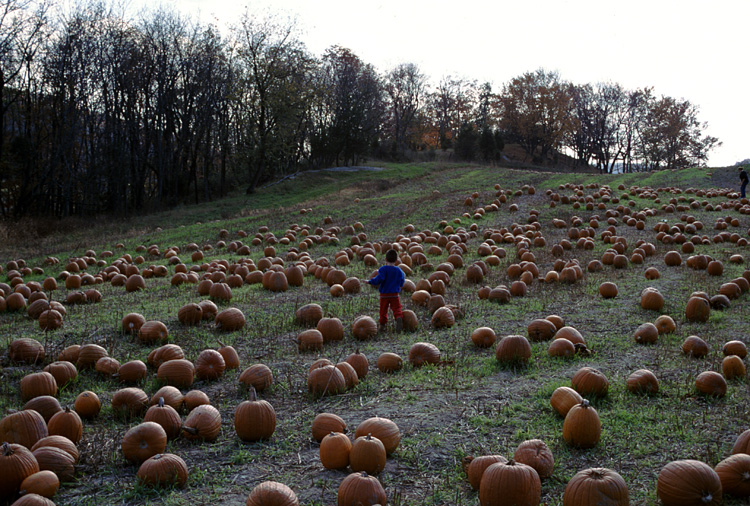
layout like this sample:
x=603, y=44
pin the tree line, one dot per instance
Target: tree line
x=105, y=113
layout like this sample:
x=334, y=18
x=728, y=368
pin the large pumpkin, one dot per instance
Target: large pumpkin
x=734, y=474
x=23, y=427
x=688, y=483
x=16, y=464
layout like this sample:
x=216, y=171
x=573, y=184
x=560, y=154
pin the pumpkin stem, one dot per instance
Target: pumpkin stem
x=253, y=394
x=190, y=430
x=707, y=499
x=161, y=402
x=7, y=450
x=511, y=462
x=585, y=403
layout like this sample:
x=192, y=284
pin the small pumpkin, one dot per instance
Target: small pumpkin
x=258, y=376
x=143, y=441
x=163, y=469
x=711, y=383
x=360, y=363
x=63, y=372
x=735, y=348
x=389, y=362
x=166, y=416
x=129, y=401
x=326, y=380
x=310, y=340
x=361, y=489
x=588, y=381
x=535, y=453
x=133, y=371
x=335, y=448
x=230, y=320
x=66, y=423
x=694, y=346
x=26, y=350
x=665, y=324
x=56, y=460
x=367, y=454
x=510, y=483
x=163, y=354
x=325, y=423
x=309, y=314
x=642, y=381
x=384, y=429
x=732, y=367
x=697, y=309
x=513, y=349
x=43, y=483
x=203, y=422
x=596, y=486
x=209, y=365
x=254, y=419
x=476, y=466
x=582, y=427
x=60, y=442
x=190, y=314
x=152, y=332
x=177, y=373
x=646, y=333
x=331, y=329
x=45, y=405
x=484, y=337
x=364, y=328
x=195, y=398
x=564, y=398
x=87, y=404
x=272, y=493
x=423, y=353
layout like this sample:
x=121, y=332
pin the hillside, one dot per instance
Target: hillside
x=463, y=232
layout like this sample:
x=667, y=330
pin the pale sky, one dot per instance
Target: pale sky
x=689, y=49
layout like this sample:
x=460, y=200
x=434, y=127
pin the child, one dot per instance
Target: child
x=391, y=279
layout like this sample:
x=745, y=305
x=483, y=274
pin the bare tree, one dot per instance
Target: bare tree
x=405, y=87
x=21, y=28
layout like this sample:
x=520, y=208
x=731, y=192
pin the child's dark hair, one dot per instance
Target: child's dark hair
x=391, y=256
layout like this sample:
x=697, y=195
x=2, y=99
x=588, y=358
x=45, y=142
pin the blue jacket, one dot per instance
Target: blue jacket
x=390, y=278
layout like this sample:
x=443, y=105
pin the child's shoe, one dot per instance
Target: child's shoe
x=381, y=328
x=399, y=324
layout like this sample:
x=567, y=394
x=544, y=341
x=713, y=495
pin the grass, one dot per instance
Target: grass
x=468, y=405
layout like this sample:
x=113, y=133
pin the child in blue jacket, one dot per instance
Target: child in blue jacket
x=389, y=281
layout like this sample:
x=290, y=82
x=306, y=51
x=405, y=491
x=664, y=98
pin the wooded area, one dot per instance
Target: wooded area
x=102, y=113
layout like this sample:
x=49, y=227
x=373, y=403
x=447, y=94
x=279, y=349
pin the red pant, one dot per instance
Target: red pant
x=389, y=300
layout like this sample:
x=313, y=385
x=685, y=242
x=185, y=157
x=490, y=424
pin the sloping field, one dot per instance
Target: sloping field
x=469, y=403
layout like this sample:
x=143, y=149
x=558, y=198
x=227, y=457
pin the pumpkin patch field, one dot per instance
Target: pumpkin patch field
x=568, y=339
